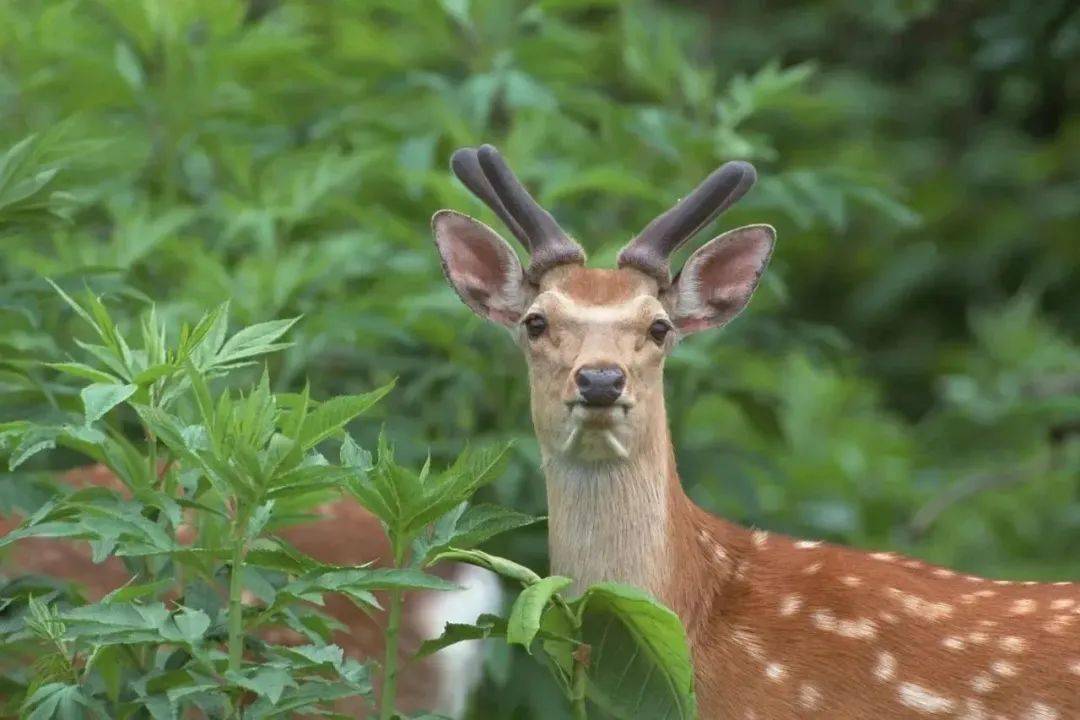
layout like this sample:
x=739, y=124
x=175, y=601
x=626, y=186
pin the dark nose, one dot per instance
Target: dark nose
x=600, y=386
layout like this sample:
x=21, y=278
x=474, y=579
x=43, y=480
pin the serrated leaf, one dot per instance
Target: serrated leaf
x=485, y=626
x=469, y=526
x=100, y=398
x=332, y=415
x=253, y=340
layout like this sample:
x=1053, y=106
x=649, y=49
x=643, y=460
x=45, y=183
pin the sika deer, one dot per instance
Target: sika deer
x=778, y=628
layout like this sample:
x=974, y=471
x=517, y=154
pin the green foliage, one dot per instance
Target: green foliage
x=906, y=376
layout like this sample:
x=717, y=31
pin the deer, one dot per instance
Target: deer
x=341, y=533
x=778, y=628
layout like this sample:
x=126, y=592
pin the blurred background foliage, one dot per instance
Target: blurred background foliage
x=907, y=377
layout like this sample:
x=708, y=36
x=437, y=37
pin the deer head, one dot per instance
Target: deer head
x=596, y=339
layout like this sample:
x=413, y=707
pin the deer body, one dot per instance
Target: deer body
x=778, y=628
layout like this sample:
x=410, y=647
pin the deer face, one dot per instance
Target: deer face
x=595, y=340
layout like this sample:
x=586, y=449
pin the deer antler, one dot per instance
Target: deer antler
x=484, y=171
x=651, y=250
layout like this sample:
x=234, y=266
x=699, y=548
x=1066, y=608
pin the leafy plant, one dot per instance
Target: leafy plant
x=234, y=467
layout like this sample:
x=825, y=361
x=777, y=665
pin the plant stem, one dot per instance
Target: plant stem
x=389, y=690
x=577, y=699
x=393, y=626
x=236, y=608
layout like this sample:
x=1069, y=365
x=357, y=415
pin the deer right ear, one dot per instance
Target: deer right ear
x=481, y=267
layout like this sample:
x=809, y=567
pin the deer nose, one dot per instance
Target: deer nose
x=600, y=386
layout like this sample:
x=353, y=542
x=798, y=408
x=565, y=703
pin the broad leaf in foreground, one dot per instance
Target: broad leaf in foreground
x=639, y=662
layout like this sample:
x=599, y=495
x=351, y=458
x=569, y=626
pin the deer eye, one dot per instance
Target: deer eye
x=535, y=325
x=659, y=330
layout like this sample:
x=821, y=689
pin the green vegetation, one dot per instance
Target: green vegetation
x=908, y=376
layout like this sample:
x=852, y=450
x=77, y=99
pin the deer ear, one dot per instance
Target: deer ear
x=483, y=270
x=717, y=281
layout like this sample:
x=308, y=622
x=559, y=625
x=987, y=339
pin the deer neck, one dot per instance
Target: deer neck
x=625, y=520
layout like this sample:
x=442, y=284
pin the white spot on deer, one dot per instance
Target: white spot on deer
x=750, y=714
x=761, y=538
x=790, y=605
x=968, y=598
x=812, y=568
x=885, y=668
x=775, y=671
x=1074, y=667
x=978, y=638
x=719, y=552
x=807, y=544
x=953, y=643
x=919, y=698
x=861, y=629
x=921, y=608
x=1004, y=668
x=944, y=573
x=883, y=556
x=988, y=623
x=1003, y=582
x=809, y=697
x=1013, y=644
x=1024, y=606
x=751, y=643
x=974, y=578
x=973, y=710
x=1040, y=711
x=913, y=564
x=823, y=620
x=1062, y=604
x=1029, y=582
x=851, y=581
x=983, y=683
x=985, y=593
x=1062, y=583
x=888, y=617
x=1059, y=624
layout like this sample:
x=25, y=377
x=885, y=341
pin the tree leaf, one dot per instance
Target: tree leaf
x=524, y=621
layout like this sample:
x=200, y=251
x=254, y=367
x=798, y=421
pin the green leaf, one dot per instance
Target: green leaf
x=486, y=626
x=524, y=621
x=468, y=526
x=267, y=681
x=100, y=398
x=499, y=565
x=332, y=415
x=253, y=340
x=186, y=625
x=84, y=371
x=64, y=702
x=639, y=664
x=33, y=441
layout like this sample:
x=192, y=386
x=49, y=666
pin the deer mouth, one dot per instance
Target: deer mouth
x=599, y=415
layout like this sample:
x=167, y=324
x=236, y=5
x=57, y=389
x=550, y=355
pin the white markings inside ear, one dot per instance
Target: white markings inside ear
x=481, y=267
x=717, y=281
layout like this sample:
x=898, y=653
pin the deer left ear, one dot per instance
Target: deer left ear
x=717, y=281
